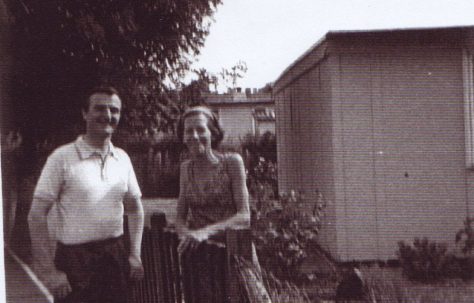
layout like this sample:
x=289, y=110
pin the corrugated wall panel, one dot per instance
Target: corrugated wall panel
x=282, y=107
x=421, y=146
x=470, y=173
x=360, y=220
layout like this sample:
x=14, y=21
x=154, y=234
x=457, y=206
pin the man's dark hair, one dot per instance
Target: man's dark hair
x=108, y=90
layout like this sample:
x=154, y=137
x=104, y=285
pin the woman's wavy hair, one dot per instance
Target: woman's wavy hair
x=217, y=133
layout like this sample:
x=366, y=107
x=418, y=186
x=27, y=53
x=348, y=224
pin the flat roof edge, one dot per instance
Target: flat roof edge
x=341, y=33
x=301, y=57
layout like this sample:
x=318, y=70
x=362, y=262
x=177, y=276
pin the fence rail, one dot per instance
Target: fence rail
x=205, y=275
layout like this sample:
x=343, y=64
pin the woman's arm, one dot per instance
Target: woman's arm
x=241, y=219
x=182, y=207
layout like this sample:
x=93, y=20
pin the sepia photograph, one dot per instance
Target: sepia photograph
x=250, y=151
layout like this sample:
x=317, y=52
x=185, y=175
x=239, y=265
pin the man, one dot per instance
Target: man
x=81, y=196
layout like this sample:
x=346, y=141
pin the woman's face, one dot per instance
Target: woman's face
x=197, y=135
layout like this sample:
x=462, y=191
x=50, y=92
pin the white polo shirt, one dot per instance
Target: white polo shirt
x=88, y=191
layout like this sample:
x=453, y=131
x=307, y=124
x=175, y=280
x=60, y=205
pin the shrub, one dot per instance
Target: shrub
x=260, y=158
x=262, y=180
x=260, y=146
x=426, y=260
x=466, y=236
x=284, y=230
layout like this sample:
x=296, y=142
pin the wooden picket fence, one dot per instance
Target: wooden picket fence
x=170, y=278
x=157, y=171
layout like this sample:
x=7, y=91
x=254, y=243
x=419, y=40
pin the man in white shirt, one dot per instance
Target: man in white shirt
x=82, y=194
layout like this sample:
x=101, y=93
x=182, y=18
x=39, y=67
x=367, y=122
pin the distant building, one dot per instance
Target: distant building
x=382, y=123
x=242, y=113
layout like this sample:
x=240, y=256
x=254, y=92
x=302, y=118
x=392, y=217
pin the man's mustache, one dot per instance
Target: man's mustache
x=109, y=121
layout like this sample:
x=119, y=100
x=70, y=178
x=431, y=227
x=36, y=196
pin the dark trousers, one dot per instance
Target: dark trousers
x=97, y=271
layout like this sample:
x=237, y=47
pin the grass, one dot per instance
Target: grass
x=283, y=292
x=389, y=285
x=384, y=285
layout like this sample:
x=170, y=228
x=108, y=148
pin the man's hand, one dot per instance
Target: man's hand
x=136, y=268
x=56, y=281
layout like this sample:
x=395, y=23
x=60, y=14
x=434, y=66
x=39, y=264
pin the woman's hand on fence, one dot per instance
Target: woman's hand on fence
x=191, y=239
x=136, y=268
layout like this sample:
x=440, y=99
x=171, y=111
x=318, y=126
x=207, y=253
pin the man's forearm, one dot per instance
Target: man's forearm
x=41, y=242
x=135, y=227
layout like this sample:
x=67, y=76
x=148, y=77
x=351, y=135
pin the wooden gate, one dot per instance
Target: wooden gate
x=170, y=278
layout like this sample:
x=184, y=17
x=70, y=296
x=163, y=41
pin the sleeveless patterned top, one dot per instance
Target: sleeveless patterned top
x=214, y=201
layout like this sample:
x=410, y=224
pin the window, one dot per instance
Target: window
x=264, y=114
x=468, y=83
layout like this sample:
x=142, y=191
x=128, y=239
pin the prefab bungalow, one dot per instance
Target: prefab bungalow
x=382, y=123
x=243, y=113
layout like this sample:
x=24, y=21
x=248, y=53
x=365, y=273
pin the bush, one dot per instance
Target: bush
x=284, y=230
x=260, y=156
x=466, y=236
x=427, y=261
x=260, y=146
x=262, y=180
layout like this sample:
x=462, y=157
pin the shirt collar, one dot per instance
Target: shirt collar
x=86, y=151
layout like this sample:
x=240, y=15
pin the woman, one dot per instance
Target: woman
x=213, y=194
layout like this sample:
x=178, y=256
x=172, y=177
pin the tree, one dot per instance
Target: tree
x=232, y=74
x=63, y=47
x=267, y=89
x=193, y=93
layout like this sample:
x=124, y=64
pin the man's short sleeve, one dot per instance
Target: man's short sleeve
x=51, y=178
x=133, y=189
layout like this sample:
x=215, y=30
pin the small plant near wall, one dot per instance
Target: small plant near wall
x=428, y=261
x=284, y=230
x=465, y=236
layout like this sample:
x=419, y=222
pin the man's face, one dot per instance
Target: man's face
x=103, y=114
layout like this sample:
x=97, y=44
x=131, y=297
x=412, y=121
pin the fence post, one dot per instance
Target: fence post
x=238, y=243
x=158, y=221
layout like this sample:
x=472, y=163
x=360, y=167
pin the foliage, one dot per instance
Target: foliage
x=260, y=146
x=268, y=88
x=466, y=236
x=62, y=48
x=284, y=230
x=262, y=180
x=284, y=291
x=261, y=161
x=430, y=261
x=192, y=93
x=232, y=74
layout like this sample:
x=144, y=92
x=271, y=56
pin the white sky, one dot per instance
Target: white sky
x=270, y=34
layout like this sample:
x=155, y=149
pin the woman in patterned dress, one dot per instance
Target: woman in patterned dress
x=213, y=192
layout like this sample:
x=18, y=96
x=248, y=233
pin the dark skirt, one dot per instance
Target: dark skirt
x=249, y=277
